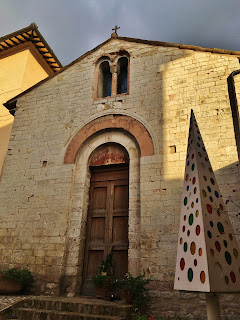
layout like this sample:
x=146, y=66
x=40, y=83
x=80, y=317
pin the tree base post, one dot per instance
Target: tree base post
x=213, y=308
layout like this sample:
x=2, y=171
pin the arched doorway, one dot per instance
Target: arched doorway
x=107, y=221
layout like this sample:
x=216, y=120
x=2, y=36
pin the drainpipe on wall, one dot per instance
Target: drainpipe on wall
x=234, y=108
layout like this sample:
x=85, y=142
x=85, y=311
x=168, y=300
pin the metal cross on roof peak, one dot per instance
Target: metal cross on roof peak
x=115, y=28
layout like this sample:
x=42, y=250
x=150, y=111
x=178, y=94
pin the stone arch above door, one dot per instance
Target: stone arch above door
x=123, y=122
x=75, y=238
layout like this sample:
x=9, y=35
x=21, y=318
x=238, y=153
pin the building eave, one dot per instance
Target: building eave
x=32, y=35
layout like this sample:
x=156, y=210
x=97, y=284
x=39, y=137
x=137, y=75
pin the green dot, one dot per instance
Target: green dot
x=190, y=274
x=185, y=246
x=209, y=234
x=220, y=227
x=190, y=219
x=193, y=166
x=228, y=257
x=185, y=201
x=209, y=189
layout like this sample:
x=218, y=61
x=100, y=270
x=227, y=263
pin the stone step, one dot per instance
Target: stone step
x=79, y=305
x=43, y=314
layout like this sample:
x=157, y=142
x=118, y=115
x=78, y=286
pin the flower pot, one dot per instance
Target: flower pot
x=10, y=286
x=102, y=291
x=128, y=296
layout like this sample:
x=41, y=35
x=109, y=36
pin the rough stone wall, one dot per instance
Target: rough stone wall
x=165, y=83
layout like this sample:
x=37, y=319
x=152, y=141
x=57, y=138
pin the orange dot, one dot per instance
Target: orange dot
x=193, y=247
x=181, y=241
x=202, y=276
x=200, y=252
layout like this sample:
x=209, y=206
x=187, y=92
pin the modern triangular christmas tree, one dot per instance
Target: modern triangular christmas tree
x=208, y=256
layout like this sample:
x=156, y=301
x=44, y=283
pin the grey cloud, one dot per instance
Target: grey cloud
x=75, y=26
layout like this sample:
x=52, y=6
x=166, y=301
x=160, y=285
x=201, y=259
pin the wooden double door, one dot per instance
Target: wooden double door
x=107, y=223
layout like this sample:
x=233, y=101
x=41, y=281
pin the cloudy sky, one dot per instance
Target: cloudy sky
x=72, y=27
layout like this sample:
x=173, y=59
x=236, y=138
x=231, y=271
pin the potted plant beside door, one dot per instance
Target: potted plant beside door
x=103, y=278
x=15, y=280
x=136, y=292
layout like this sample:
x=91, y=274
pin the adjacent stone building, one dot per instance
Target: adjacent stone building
x=25, y=59
x=96, y=162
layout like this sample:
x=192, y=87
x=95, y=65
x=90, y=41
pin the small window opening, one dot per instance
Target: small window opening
x=104, y=80
x=122, y=81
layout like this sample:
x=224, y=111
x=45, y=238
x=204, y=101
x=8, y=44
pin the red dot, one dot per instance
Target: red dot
x=183, y=228
x=193, y=180
x=197, y=230
x=233, y=277
x=195, y=262
x=218, y=246
x=209, y=208
x=182, y=264
x=192, y=155
x=221, y=207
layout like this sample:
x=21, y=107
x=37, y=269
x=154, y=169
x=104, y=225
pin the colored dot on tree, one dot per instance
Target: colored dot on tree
x=232, y=276
x=190, y=274
x=235, y=253
x=182, y=264
x=202, y=276
x=193, y=248
x=228, y=257
x=209, y=208
x=185, y=246
x=218, y=246
x=197, y=230
x=212, y=181
x=220, y=227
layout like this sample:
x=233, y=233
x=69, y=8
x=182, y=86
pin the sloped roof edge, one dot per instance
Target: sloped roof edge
x=127, y=39
x=33, y=35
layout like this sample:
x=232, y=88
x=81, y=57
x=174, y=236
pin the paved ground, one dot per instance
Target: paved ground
x=9, y=300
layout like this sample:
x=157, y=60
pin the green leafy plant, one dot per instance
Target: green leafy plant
x=137, y=287
x=106, y=265
x=98, y=279
x=23, y=275
x=116, y=284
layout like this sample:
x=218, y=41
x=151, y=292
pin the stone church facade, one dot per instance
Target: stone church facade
x=83, y=145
